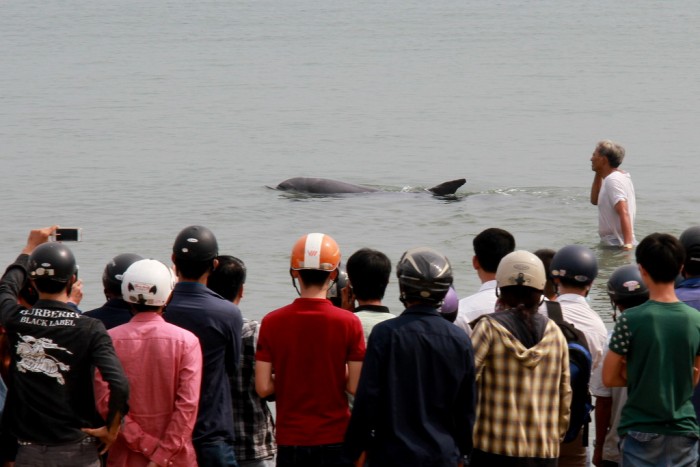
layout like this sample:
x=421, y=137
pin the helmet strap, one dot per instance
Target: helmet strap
x=294, y=282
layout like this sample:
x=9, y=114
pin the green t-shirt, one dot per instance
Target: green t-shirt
x=660, y=342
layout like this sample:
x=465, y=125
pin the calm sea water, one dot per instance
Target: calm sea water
x=135, y=119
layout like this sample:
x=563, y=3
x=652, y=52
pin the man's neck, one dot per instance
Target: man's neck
x=57, y=297
x=563, y=289
x=662, y=292
x=202, y=280
x=369, y=302
x=606, y=171
x=485, y=276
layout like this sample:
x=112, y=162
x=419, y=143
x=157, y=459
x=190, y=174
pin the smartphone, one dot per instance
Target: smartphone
x=68, y=234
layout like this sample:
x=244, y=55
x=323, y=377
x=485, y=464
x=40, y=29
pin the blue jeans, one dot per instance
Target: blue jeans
x=325, y=455
x=653, y=449
x=215, y=454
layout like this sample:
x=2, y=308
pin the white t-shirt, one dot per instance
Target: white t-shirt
x=481, y=303
x=578, y=312
x=615, y=187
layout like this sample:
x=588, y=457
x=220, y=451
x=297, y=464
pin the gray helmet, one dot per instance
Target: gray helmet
x=53, y=262
x=112, y=275
x=195, y=243
x=425, y=275
x=576, y=263
x=626, y=282
x=334, y=292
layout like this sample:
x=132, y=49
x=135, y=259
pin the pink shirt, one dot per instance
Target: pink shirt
x=164, y=365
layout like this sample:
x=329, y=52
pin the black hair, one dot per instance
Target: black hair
x=193, y=270
x=142, y=308
x=368, y=271
x=313, y=277
x=661, y=255
x=545, y=255
x=524, y=301
x=629, y=302
x=49, y=286
x=491, y=245
x=228, y=277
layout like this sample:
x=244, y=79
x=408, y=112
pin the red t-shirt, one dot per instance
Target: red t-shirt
x=308, y=344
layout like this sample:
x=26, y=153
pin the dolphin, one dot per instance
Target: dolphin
x=328, y=186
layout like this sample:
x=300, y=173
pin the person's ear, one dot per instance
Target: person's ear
x=475, y=263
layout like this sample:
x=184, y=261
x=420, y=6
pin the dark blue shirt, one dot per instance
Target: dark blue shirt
x=688, y=291
x=217, y=323
x=415, y=404
x=113, y=313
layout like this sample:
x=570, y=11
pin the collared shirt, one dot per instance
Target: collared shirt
x=217, y=323
x=524, y=393
x=370, y=316
x=55, y=349
x=481, y=303
x=416, y=398
x=113, y=313
x=252, y=419
x=164, y=365
x=576, y=310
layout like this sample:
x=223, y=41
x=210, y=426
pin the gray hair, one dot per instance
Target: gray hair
x=614, y=152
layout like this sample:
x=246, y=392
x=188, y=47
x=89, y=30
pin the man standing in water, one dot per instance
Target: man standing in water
x=612, y=191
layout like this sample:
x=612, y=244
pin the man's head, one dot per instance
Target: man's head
x=661, y=256
x=425, y=276
x=147, y=285
x=114, y=271
x=490, y=246
x=611, y=151
x=546, y=255
x=575, y=267
x=194, y=252
x=228, y=278
x=314, y=260
x=520, y=279
x=368, y=272
x=690, y=239
x=626, y=288
x=52, y=268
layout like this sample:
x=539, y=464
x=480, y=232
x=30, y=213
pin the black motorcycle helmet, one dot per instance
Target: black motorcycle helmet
x=335, y=294
x=112, y=275
x=574, y=264
x=425, y=275
x=690, y=239
x=626, y=288
x=51, y=266
x=195, y=243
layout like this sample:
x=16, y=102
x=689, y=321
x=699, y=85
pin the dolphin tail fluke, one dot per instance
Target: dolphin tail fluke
x=447, y=188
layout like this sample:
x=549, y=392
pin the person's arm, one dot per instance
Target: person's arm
x=264, y=379
x=696, y=371
x=565, y=392
x=184, y=414
x=104, y=358
x=595, y=189
x=622, y=211
x=354, y=370
x=614, y=370
x=603, y=413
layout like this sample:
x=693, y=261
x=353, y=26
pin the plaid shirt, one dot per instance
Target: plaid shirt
x=252, y=419
x=524, y=394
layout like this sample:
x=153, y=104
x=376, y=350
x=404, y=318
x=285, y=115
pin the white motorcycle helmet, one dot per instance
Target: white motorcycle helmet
x=147, y=282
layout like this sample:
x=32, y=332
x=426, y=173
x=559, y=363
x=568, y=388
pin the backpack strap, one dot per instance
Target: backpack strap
x=554, y=311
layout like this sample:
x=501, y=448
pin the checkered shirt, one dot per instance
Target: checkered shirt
x=252, y=419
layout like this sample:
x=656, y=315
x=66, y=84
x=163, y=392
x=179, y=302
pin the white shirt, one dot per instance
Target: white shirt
x=481, y=303
x=616, y=187
x=576, y=310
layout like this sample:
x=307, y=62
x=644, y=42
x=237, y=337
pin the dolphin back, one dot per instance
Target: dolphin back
x=447, y=188
x=321, y=186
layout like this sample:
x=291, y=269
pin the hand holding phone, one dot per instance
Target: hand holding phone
x=68, y=234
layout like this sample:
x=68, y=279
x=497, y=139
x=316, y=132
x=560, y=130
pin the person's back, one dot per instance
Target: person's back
x=217, y=323
x=253, y=422
x=368, y=276
x=415, y=402
x=688, y=290
x=655, y=352
x=490, y=246
x=314, y=350
x=50, y=400
x=164, y=365
x=522, y=366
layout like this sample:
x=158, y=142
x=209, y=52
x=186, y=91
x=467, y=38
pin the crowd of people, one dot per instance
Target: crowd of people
x=168, y=372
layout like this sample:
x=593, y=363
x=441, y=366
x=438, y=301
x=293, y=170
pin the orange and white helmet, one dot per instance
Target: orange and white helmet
x=315, y=251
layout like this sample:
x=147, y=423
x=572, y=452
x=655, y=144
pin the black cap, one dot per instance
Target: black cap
x=195, y=243
x=112, y=275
